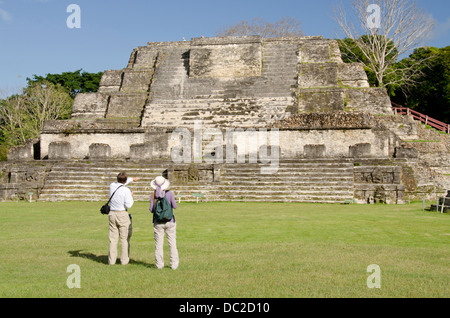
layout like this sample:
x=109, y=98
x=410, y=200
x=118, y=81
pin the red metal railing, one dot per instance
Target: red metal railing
x=439, y=125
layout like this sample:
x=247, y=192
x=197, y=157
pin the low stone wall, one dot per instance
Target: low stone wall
x=25, y=152
x=339, y=135
x=80, y=139
x=378, y=184
x=19, y=181
x=78, y=146
x=349, y=143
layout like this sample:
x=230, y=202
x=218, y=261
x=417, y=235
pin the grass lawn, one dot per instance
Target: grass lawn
x=229, y=250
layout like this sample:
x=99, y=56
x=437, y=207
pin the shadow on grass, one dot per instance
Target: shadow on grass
x=103, y=259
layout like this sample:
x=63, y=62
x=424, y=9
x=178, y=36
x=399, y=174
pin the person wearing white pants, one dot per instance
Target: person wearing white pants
x=160, y=184
x=170, y=228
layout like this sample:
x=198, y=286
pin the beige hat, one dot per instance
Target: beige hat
x=161, y=182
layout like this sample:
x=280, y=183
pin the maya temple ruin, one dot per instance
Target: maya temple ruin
x=234, y=119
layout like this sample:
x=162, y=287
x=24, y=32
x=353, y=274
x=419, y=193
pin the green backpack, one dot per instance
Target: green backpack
x=162, y=210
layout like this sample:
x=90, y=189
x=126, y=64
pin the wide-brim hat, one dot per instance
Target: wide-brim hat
x=160, y=181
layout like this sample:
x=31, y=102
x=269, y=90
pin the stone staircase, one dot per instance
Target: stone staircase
x=326, y=181
x=89, y=181
x=178, y=100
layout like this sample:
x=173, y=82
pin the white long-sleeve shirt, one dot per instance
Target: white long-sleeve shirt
x=122, y=199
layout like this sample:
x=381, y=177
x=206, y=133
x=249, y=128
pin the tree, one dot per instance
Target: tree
x=431, y=93
x=75, y=82
x=351, y=53
x=285, y=27
x=46, y=101
x=14, y=120
x=394, y=28
x=22, y=116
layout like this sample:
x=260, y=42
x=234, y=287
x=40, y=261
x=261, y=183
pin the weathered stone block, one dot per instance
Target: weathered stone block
x=373, y=100
x=404, y=152
x=141, y=151
x=352, y=74
x=335, y=52
x=89, y=105
x=314, y=51
x=8, y=192
x=144, y=58
x=136, y=81
x=24, y=152
x=314, y=151
x=111, y=81
x=99, y=151
x=126, y=105
x=59, y=150
x=317, y=75
x=321, y=100
x=360, y=150
x=159, y=142
x=379, y=193
x=226, y=57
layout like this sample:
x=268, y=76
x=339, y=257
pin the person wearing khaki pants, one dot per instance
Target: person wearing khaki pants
x=119, y=227
x=160, y=184
x=119, y=219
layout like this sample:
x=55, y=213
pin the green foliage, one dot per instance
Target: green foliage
x=75, y=82
x=430, y=93
x=352, y=53
x=420, y=81
x=3, y=150
x=49, y=97
x=22, y=116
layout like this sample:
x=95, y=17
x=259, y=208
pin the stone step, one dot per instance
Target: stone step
x=329, y=182
x=101, y=192
x=260, y=188
x=309, y=199
x=219, y=193
x=301, y=180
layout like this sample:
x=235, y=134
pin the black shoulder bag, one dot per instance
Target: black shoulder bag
x=105, y=208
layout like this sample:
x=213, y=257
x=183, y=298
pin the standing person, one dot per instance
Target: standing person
x=160, y=184
x=119, y=219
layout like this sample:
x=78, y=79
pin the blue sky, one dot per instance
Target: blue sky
x=35, y=39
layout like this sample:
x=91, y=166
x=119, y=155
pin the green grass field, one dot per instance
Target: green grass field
x=229, y=250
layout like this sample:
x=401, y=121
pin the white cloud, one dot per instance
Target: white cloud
x=5, y=16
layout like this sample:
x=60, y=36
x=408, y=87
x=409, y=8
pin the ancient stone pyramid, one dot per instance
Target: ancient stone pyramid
x=337, y=138
x=231, y=81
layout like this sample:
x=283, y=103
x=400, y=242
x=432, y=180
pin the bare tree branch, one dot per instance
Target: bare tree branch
x=403, y=26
